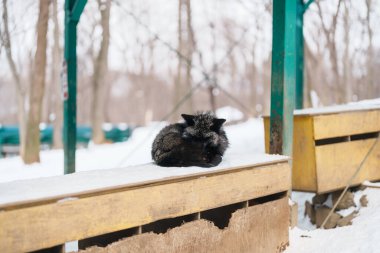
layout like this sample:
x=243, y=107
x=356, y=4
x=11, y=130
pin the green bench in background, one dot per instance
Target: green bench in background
x=10, y=140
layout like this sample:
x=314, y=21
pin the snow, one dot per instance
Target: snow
x=362, y=236
x=303, y=221
x=245, y=138
x=229, y=113
x=22, y=191
x=121, y=164
x=135, y=151
x=354, y=106
x=367, y=183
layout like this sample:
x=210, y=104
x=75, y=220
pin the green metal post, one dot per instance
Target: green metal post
x=283, y=76
x=73, y=10
x=299, y=55
x=307, y=4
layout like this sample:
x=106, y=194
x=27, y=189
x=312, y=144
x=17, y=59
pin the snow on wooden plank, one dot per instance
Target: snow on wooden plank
x=41, y=225
x=61, y=187
x=350, y=107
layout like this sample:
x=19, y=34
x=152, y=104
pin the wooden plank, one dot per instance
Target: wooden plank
x=335, y=109
x=46, y=225
x=86, y=183
x=293, y=216
x=266, y=133
x=336, y=163
x=247, y=231
x=303, y=172
x=345, y=124
x=304, y=176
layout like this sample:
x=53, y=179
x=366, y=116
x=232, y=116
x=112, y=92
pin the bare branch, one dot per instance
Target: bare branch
x=1, y=40
x=335, y=17
x=8, y=49
x=324, y=27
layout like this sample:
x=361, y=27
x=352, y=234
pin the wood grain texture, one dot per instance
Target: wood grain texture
x=261, y=228
x=303, y=169
x=327, y=168
x=304, y=176
x=49, y=224
x=83, y=184
x=345, y=124
x=266, y=133
x=336, y=163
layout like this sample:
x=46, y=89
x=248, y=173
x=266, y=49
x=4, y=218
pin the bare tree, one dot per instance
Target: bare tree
x=56, y=60
x=20, y=89
x=370, y=52
x=186, y=45
x=100, y=74
x=212, y=83
x=347, y=66
x=330, y=35
x=32, y=134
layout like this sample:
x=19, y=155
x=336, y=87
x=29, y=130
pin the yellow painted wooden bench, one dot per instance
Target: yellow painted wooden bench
x=41, y=213
x=330, y=143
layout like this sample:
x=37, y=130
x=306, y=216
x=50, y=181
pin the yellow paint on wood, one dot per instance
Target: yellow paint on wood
x=303, y=172
x=46, y=225
x=337, y=163
x=345, y=124
x=304, y=168
x=267, y=133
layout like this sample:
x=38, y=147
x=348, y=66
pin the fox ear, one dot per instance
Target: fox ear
x=188, y=118
x=217, y=124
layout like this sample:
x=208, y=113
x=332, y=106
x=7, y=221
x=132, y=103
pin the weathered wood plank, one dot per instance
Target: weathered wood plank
x=303, y=164
x=323, y=168
x=337, y=163
x=261, y=228
x=304, y=167
x=345, y=124
x=334, y=109
x=46, y=225
x=52, y=189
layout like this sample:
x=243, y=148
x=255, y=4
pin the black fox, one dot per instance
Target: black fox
x=199, y=141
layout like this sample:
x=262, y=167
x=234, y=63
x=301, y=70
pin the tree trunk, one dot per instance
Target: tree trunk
x=330, y=34
x=55, y=80
x=21, y=92
x=372, y=88
x=183, y=81
x=100, y=75
x=32, y=145
x=190, y=51
x=347, y=70
x=212, y=98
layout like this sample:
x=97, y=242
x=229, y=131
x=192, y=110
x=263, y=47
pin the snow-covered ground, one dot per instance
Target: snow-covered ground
x=247, y=137
x=244, y=138
x=362, y=236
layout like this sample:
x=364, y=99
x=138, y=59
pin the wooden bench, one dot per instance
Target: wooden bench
x=41, y=213
x=330, y=143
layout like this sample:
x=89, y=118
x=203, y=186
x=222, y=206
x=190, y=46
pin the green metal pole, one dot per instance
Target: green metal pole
x=73, y=10
x=283, y=79
x=300, y=55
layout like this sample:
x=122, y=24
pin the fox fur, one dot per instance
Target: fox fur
x=199, y=141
